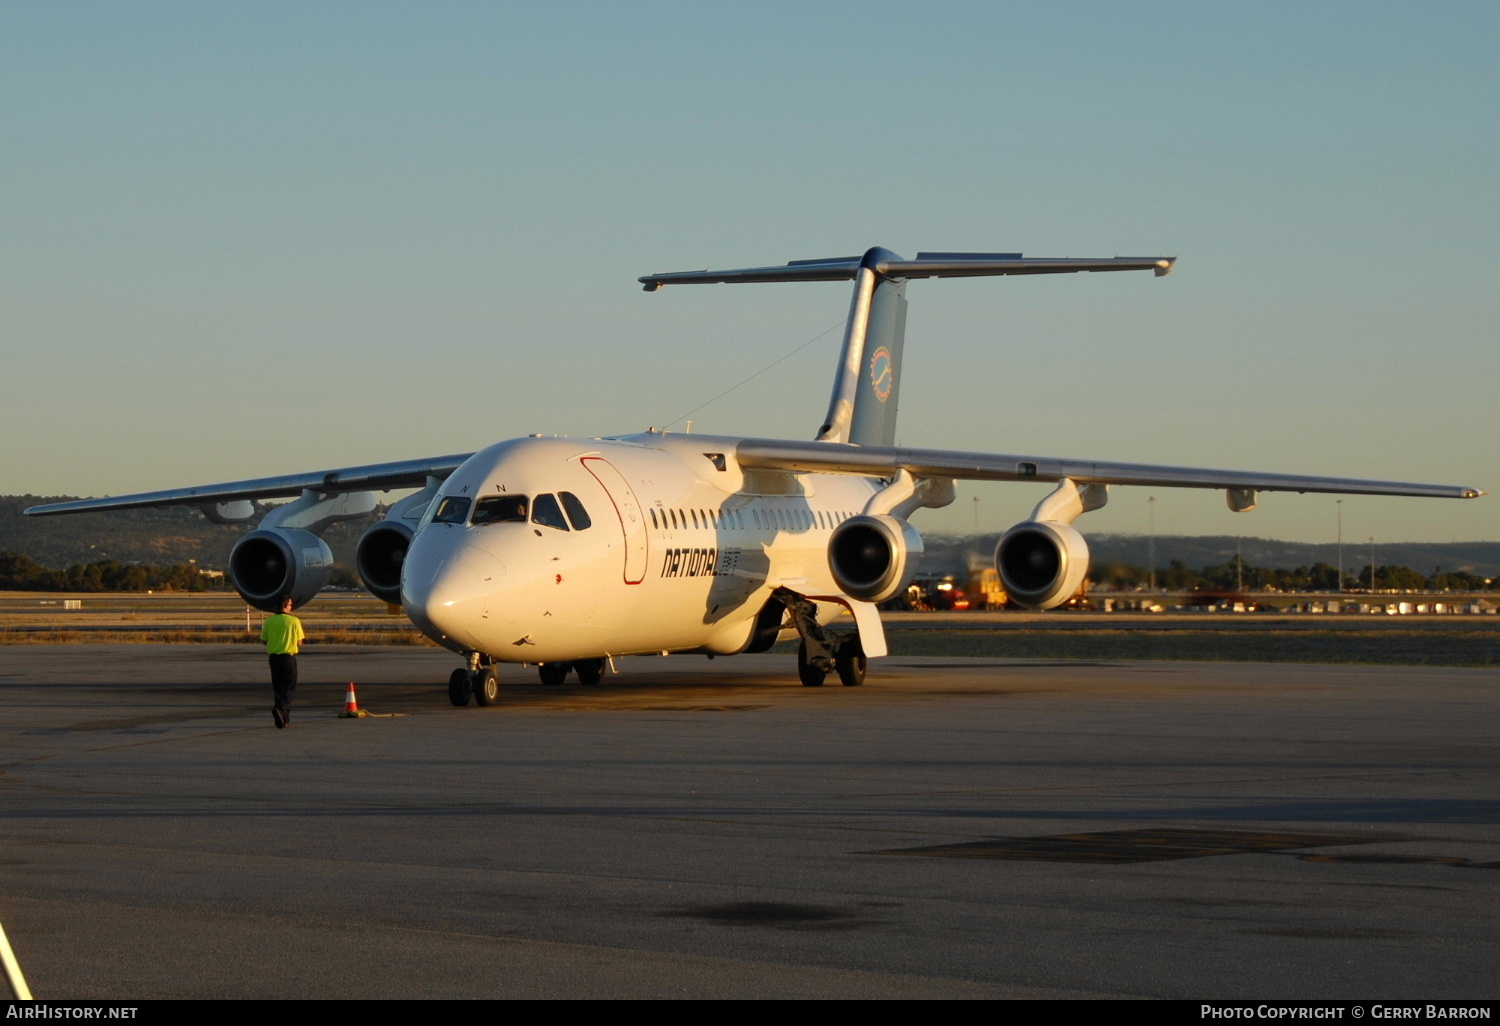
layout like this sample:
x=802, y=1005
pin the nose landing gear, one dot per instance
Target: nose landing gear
x=480, y=681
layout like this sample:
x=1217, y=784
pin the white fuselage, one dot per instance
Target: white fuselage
x=680, y=551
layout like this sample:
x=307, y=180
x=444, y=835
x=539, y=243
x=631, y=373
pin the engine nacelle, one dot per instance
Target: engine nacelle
x=380, y=556
x=1042, y=563
x=270, y=564
x=873, y=558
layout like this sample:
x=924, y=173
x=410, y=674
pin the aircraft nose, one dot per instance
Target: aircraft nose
x=449, y=594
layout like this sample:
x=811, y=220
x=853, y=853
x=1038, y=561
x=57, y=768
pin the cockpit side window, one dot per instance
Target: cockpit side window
x=577, y=513
x=452, y=510
x=500, y=509
x=548, y=513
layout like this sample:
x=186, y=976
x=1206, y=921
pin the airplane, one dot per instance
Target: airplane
x=565, y=553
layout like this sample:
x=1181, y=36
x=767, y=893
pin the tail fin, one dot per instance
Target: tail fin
x=862, y=409
x=867, y=387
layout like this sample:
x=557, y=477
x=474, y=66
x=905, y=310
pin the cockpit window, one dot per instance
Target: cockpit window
x=548, y=513
x=452, y=510
x=500, y=509
x=577, y=513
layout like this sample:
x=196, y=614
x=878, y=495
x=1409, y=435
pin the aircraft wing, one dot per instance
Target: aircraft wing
x=883, y=461
x=372, y=477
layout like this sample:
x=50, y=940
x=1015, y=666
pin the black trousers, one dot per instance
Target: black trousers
x=284, y=680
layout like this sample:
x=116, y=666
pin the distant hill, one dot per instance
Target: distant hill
x=953, y=554
x=175, y=534
x=178, y=534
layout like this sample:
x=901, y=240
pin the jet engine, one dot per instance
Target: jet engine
x=1042, y=563
x=270, y=564
x=381, y=552
x=873, y=558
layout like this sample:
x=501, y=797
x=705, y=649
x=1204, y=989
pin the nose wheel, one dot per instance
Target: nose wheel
x=460, y=687
x=487, y=687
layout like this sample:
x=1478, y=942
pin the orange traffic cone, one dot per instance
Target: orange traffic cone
x=351, y=705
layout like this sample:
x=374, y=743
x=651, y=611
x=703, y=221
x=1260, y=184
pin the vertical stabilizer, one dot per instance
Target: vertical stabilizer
x=880, y=383
x=862, y=408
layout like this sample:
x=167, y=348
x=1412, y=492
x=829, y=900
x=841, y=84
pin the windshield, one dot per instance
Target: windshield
x=500, y=509
x=576, y=512
x=451, y=510
x=548, y=513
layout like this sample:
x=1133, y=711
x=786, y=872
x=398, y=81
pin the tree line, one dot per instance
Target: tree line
x=22, y=573
x=1238, y=575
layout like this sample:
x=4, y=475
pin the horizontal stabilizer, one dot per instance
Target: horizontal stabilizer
x=926, y=265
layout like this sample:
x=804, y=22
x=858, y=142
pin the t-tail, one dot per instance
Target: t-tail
x=867, y=384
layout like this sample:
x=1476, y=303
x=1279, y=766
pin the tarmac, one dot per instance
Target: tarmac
x=694, y=828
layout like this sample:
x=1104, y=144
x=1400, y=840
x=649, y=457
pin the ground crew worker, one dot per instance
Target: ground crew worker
x=282, y=633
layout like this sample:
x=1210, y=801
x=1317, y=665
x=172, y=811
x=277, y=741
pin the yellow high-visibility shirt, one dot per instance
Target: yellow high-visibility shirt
x=282, y=634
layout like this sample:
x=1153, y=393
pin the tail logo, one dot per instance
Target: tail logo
x=882, y=374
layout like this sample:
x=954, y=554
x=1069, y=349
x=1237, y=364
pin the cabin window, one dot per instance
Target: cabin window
x=696, y=525
x=452, y=510
x=653, y=519
x=500, y=509
x=548, y=513
x=576, y=513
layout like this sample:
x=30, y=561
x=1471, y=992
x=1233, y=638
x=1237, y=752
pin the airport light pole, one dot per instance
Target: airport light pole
x=1151, y=541
x=1372, y=564
x=1339, y=505
x=976, y=514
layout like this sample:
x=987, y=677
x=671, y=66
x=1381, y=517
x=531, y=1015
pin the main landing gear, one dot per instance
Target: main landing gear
x=589, y=671
x=821, y=652
x=848, y=661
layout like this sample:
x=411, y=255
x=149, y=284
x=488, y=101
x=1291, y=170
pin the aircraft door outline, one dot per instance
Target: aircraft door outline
x=628, y=509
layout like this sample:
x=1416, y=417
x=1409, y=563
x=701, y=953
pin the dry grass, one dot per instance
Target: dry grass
x=190, y=636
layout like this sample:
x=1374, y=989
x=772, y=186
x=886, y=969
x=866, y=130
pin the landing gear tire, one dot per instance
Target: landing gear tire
x=460, y=688
x=487, y=686
x=590, y=671
x=811, y=676
x=850, y=662
x=554, y=673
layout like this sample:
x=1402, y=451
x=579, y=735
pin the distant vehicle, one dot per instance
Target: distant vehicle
x=564, y=553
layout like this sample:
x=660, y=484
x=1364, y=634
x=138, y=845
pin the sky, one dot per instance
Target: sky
x=242, y=240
